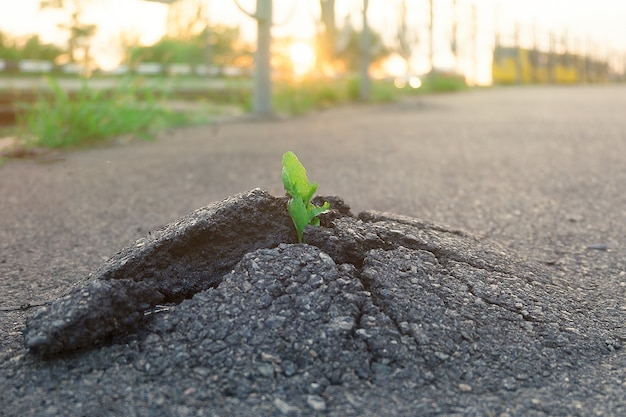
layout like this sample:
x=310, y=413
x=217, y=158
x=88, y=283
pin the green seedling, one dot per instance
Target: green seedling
x=301, y=210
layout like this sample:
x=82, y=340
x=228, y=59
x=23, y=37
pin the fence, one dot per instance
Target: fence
x=146, y=69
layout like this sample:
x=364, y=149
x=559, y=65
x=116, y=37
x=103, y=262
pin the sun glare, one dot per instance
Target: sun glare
x=303, y=57
x=395, y=66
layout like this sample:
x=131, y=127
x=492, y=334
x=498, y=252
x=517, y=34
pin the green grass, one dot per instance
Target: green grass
x=443, y=83
x=299, y=97
x=306, y=95
x=381, y=91
x=139, y=107
x=88, y=116
x=384, y=91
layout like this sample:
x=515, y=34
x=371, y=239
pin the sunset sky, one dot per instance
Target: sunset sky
x=598, y=26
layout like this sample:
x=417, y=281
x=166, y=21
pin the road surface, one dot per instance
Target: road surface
x=541, y=170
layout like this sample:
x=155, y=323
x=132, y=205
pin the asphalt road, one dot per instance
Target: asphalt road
x=541, y=170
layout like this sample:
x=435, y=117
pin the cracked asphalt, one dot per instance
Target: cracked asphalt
x=539, y=170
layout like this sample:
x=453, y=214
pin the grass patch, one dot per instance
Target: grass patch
x=381, y=91
x=89, y=116
x=299, y=97
x=385, y=91
x=443, y=83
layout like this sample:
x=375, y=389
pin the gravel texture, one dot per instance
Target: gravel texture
x=398, y=308
x=168, y=265
x=380, y=314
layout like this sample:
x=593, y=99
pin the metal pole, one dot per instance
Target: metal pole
x=475, y=44
x=455, y=29
x=431, y=40
x=262, y=100
x=364, y=85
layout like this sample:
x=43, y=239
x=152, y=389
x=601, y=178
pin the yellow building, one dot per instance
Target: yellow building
x=514, y=65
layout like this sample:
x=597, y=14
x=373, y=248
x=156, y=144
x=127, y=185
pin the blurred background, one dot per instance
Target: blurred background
x=290, y=56
x=526, y=146
x=480, y=39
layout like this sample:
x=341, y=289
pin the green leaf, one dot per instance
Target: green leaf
x=296, y=184
x=315, y=211
x=294, y=178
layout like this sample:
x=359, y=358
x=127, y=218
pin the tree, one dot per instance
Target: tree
x=187, y=18
x=349, y=55
x=33, y=48
x=327, y=34
x=365, y=82
x=79, y=33
x=431, y=35
x=30, y=48
x=405, y=39
x=349, y=48
x=226, y=45
x=262, y=92
x=8, y=49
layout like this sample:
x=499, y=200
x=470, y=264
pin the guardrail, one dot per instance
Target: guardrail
x=13, y=100
x=29, y=66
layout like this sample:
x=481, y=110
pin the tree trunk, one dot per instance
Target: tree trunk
x=330, y=29
x=262, y=95
x=365, y=84
x=431, y=37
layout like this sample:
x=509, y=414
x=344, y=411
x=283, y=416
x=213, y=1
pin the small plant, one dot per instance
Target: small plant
x=301, y=210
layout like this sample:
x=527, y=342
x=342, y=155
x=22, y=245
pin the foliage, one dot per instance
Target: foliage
x=219, y=45
x=437, y=82
x=29, y=48
x=340, y=47
x=302, y=211
x=385, y=92
x=405, y=39
x=92, y=116
x=299, y=97
x=79, y=33
x=168, y=51
x=348, y=56
x=186, y=18
x=353, y=89
x=327, y=32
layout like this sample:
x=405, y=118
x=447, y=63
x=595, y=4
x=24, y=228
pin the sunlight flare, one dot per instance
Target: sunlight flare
x=302, y=56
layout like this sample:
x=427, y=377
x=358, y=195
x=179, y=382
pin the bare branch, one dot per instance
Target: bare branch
x=240, y=7
x=289, y=16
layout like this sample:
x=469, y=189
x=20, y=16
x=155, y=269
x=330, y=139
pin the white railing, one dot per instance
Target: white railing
x=144, y=68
